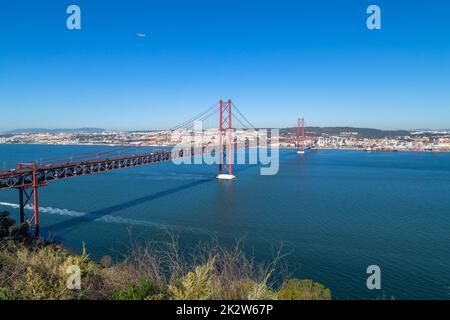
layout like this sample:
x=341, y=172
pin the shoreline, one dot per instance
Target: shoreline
x=280, y=147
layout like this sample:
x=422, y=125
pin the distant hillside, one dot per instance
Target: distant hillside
x=44, y=130
x=350, y=131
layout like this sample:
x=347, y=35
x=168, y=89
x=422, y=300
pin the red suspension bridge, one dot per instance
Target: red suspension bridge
x=28, y=177
x=223, y=117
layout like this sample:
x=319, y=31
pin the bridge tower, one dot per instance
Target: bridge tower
x=301, y=134
x=30, y=197
x=226, y=141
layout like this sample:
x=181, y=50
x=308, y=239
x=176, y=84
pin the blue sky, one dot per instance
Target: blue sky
x=276, y=59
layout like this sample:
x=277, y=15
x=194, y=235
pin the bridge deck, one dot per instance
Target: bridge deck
x=23, y=178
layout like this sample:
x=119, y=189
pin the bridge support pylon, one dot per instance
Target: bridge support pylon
x=226, y=141
x=29, y=197
x=301, y=134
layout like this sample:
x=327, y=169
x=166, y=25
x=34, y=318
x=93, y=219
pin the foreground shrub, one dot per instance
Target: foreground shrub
x=6, y=295
x=247, y=289
x=39, y=271
x=260, y=291
x=296, y=289
x=9, y=230
x=6, y=223
x=142, y=290
x=196, y=285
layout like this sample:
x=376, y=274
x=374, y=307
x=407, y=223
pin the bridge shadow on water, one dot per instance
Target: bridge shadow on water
x=75, y=222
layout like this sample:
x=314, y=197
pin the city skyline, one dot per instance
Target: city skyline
x=144, y=66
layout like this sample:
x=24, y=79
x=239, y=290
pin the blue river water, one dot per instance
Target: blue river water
x=334, y=212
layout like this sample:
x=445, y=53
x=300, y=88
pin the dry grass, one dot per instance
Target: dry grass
x=212, y=271
x=157, y=270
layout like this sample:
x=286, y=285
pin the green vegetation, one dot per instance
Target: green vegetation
x=360, y=132
x=296, y=289
x=32, y=269
x=143, y=289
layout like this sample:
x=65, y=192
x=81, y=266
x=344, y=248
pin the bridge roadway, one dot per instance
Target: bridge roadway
x=29, y=174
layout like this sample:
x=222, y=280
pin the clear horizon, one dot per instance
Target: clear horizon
x=146, y=66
